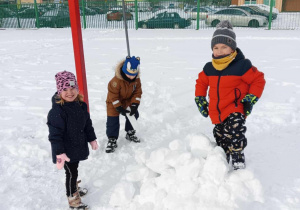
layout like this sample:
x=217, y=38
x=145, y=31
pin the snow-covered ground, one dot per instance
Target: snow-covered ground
x=177, y=165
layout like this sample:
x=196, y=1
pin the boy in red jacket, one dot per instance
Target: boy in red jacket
x=234, y=87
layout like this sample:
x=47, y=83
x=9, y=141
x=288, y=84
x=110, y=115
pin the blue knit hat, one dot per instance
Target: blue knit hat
x=131, y=65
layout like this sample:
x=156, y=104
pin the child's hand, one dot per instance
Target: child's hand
x=60, y=160
x=133, y=108
x=122, y=111
x=249, y=100
x=94, y=145
x=202, y=105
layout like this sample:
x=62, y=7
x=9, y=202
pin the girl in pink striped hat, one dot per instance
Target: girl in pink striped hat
x=70, y=131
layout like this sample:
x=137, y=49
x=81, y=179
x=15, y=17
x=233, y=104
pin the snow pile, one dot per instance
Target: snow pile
x=190, y=174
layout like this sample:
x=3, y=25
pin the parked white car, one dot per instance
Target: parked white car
x=203, y=11
x=264, y=7
x=237, y=17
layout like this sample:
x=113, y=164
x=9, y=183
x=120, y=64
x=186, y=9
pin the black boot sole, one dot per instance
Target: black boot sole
x=110, y=151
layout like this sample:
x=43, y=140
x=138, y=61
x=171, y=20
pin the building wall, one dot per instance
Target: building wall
x=31, y=1
x=278, y=3
x=291, y=6
x=237, y=2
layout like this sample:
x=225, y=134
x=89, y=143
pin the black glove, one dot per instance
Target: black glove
x=133, y=107
x=122, y=111
x=249, y=100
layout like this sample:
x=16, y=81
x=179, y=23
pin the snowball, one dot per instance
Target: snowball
x=216, y=167
x=200, y=145
x=187, y=188
x=156, y=162
x=177, y=145
x=190, y=169
x=172, y=157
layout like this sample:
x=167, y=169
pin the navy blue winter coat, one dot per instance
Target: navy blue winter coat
x=70, y=130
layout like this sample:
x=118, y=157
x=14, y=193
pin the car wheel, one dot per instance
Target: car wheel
x=253, y=23
x=144, y=26
x=215, y=23
x=176, y=25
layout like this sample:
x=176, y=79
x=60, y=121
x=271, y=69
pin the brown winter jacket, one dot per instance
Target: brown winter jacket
x=121, y=92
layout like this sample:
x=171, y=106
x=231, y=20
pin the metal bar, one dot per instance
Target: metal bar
x=270, y=15
x=136, y=15
x=198, y=15
x=36, y=15
x=83, y=13
x=18, y=19
x=78, y=49
x=126, y=30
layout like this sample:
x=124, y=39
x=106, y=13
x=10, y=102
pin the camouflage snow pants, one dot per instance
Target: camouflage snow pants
x=230, y=135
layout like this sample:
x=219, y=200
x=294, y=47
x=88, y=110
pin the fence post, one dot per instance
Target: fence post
x=18, y=19
x=270, y=15
x=198, y=15
x=36, y=15
x=136, y=15
x=83, y=13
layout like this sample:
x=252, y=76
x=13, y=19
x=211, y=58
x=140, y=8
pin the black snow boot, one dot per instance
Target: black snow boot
x=132, y=137
x=227, y=156
x=111, y=145
x=238, y=160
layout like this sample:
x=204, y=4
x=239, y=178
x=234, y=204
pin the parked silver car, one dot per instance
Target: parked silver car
x=237, y=17
x=203, y=12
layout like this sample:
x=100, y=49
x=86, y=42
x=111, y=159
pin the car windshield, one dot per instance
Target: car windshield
x=259, y=10
x=51, y=13
x=225, y=11
x=159, y=15
x=210, y=9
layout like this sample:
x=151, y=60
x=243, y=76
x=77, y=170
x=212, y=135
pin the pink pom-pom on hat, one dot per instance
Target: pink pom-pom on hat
x=64, y=80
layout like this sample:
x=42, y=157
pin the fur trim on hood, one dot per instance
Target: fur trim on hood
x=118, y=70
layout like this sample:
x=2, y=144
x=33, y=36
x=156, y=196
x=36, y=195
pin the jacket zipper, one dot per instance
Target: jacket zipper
x=219, y=98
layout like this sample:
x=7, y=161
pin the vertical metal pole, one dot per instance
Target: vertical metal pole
x=270, y=15
x=36, y=15
x=78, y=48
x=18, y=19
x=198, y=15
x=125, y=25
x=83, y=13
x=136, y=15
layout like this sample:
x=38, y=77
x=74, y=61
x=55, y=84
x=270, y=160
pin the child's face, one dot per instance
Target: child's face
x=130, y=77
x=221, y=50
x=69, y=94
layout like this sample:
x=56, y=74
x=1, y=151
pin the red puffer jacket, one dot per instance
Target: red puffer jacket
x=229, y=86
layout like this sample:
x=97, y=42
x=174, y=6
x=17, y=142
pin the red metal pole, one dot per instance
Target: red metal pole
x=78, y=48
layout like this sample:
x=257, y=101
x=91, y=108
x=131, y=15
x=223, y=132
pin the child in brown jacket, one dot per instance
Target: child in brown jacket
x=124, y=91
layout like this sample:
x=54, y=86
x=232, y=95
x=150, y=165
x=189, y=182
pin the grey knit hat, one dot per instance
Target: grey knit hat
x=224, y=34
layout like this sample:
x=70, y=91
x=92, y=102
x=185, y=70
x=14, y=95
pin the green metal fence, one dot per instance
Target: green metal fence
x=187, y=14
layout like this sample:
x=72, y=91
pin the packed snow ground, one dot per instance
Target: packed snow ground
x=177, y=165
